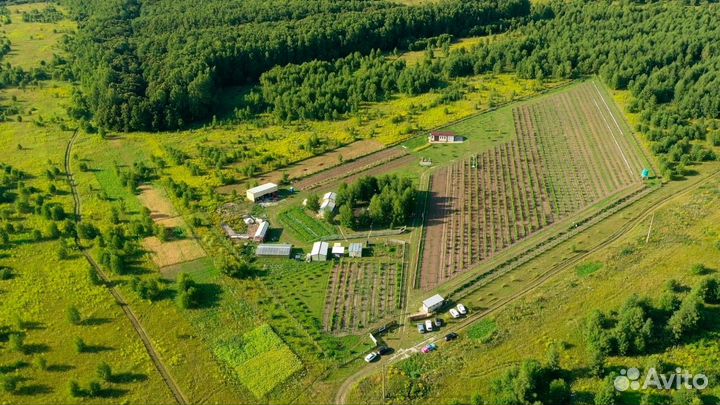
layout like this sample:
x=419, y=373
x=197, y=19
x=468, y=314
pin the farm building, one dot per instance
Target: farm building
x=328, y=203
x=326, y=206
x=355, y=250
x=338, y=250
x=260, y=191
x=319, y=251
x=273, y=250
x=433, y=303
x=261, y=231
x=444, y=137
x=330, y=196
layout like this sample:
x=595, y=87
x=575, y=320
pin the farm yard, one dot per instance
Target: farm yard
x=570, y=152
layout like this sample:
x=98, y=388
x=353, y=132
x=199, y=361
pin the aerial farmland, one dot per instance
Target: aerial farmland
x=359, y=202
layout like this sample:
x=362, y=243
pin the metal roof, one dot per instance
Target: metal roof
x=330, y=196
x=319, y=248
x=263, y=188
x=262, y=229
x=434, y=300
x=273, y=250
x=355, y=248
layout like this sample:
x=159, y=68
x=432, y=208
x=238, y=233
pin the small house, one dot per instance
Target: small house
x=645, y=174
x=355, y=250
x=432, y=304
x=255, y=193
x=443, y=137
x=273, y=250
x=319, y=252
x=338, y=250
x=261, y=231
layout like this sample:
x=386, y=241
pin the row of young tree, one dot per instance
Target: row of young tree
x=675, y=87
x=160, y=69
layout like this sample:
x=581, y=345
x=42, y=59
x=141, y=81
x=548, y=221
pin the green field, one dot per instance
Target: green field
x=261, y=360
x=304, y=227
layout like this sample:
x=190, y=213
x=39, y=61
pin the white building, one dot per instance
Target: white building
x=330, y=196
x=327, y=205
x=338, y=250
x=432, y=304
x=319, y=251
x=355, y=250
x=261, y=231
x=444, y=137
x=273, y=250
x=262, y=190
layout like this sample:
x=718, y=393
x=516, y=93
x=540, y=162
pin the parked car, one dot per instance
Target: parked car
x=461, y=309
x=428, y=325
x=421, y=328
x=371, y=357
x=438, y=323
x=451, y=336
x=429, y=348
x=454, y=313
x=383, y=350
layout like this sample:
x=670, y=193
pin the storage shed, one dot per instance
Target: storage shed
x=273, y=250
x=338, y=250
x=433, y=303
x=355, y=250
x=319, y=251
x=256, y=193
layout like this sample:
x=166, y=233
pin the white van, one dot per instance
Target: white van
x=428, y=325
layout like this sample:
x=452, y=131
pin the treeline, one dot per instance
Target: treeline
x=49, y=14
x=158, y=66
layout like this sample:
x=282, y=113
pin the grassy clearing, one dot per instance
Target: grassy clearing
x=587, y=269
x=261, y=360
x=482, y=330
x=32, y=43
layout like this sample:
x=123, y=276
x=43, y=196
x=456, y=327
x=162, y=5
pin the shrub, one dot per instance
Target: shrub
x=73, y=315
x=74, y=389
x=104, y=372
x=699, y=269
x=80, y=345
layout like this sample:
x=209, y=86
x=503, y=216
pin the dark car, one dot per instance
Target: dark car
x=451, y=336
x=383, y=350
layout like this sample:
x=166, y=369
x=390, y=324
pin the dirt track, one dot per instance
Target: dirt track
x=129, y=314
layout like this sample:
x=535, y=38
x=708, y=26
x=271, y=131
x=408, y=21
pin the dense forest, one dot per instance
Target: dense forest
x=158, y=65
